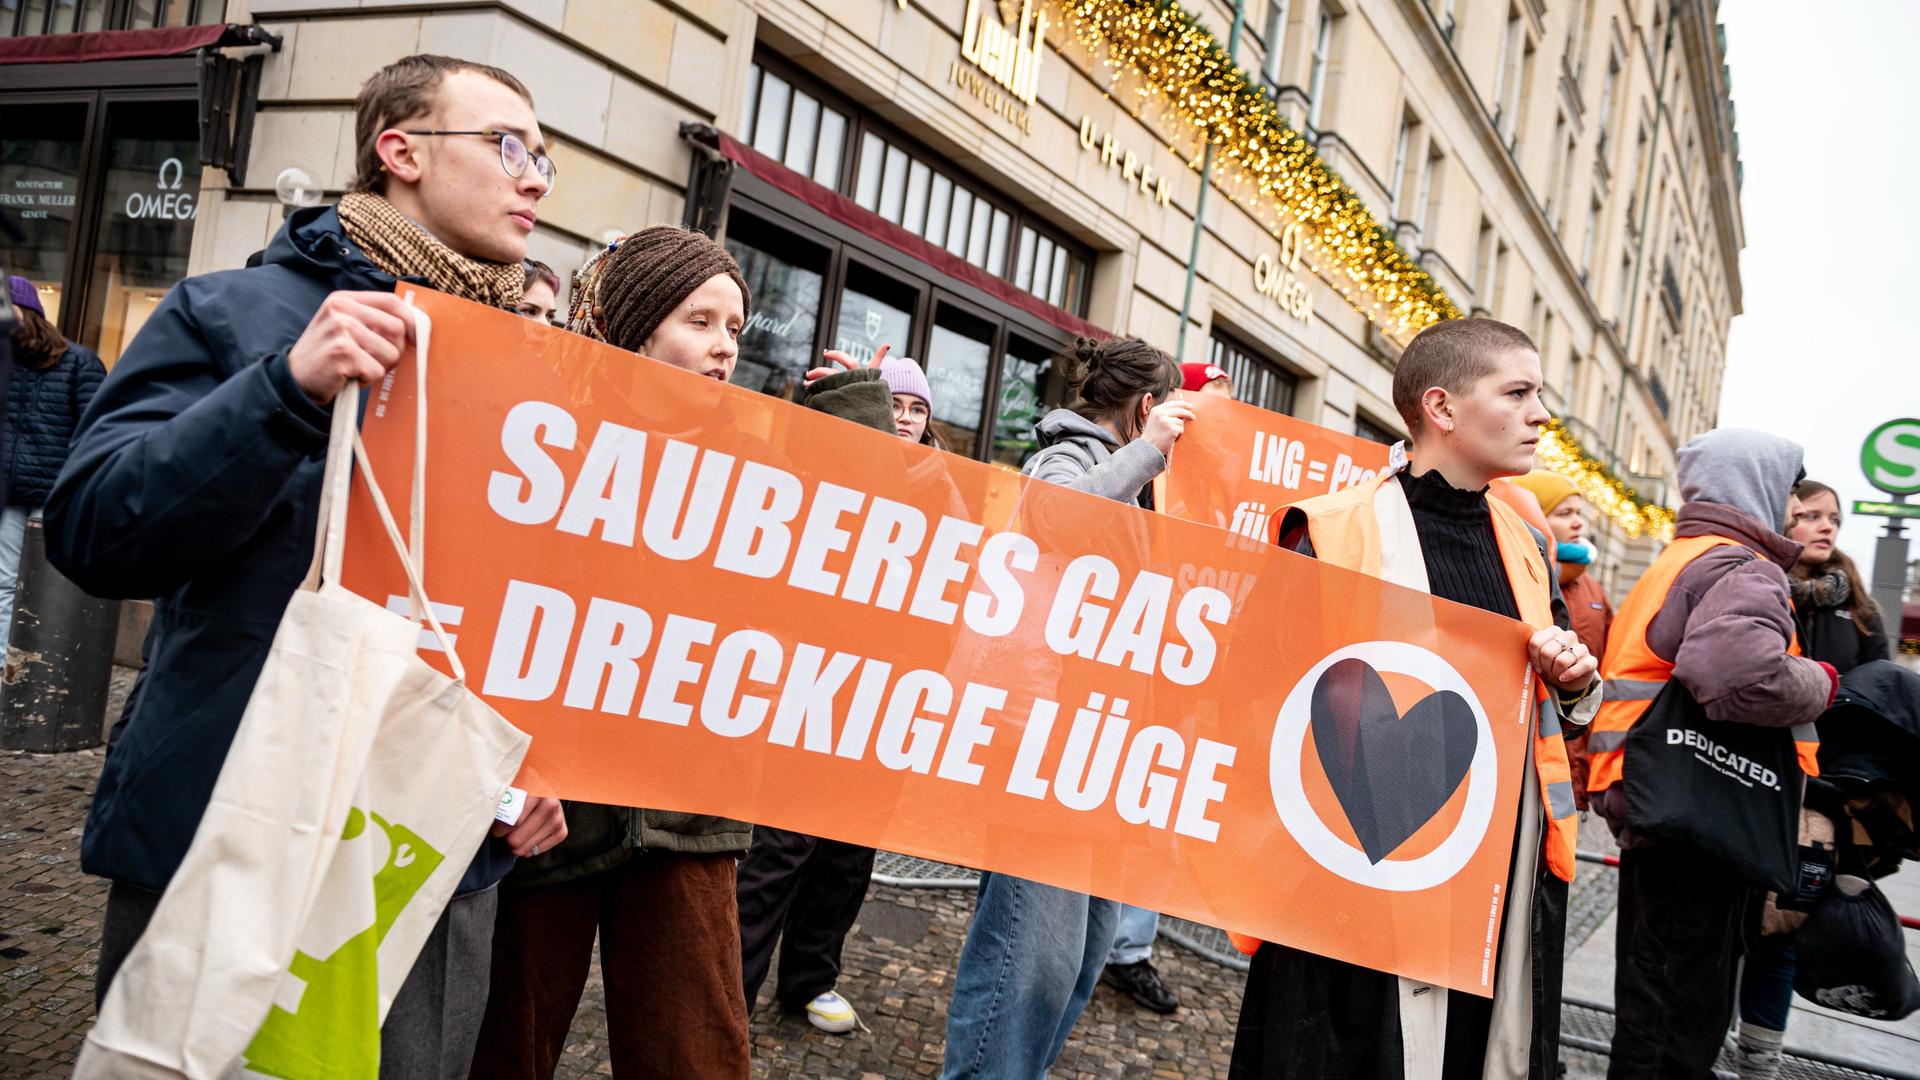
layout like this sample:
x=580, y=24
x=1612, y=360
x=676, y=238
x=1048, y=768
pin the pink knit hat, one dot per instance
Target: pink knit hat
x=903, y=376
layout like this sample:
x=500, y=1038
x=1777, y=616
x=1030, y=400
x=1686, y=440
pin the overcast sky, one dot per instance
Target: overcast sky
x=1827, y=348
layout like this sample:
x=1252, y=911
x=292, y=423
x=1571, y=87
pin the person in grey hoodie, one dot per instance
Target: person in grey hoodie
x=1034, y=952
x=1726, y=625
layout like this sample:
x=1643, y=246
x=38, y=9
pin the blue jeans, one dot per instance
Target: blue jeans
x=1029, y=966
x=13, y=531
x=1133, y=935
x=1766, y=983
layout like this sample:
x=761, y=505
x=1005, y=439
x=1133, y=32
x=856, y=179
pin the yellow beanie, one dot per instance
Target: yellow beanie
x=1550, y=488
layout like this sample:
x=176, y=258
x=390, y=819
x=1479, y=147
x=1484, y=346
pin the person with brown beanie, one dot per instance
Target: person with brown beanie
x=656, y=886
x=195, y=474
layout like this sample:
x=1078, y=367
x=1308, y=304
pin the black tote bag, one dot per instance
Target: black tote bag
x=1730, y=791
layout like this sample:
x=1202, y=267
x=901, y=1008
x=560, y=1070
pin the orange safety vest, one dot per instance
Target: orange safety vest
x=1634, y=675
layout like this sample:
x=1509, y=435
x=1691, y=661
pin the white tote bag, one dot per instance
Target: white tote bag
x=359, y=785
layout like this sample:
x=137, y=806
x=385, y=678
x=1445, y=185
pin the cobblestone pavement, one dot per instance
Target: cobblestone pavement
x=899, y=961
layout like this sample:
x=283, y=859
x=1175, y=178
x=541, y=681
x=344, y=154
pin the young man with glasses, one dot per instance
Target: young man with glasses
x=195, y=482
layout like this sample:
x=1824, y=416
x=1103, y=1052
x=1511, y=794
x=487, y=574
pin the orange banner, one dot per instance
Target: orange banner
x=1238, y=465
x=703, y=599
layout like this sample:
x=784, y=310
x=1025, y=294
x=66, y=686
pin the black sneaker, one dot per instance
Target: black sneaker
x=1141, y=982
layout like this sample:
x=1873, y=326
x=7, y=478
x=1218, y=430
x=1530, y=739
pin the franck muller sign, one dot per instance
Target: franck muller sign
x=1007, y=51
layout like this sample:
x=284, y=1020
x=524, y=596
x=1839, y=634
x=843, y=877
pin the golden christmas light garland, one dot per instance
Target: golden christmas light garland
x=1175, y=62
x=1562, y=453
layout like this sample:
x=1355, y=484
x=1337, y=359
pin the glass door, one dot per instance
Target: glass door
x=959, y=358
x=42, y=164
x=876, y=308
x=1030, y=385
x=149, y=196
x=786, y=275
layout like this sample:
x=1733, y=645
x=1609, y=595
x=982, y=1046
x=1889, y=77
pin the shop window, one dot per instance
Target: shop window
x=876, y=308
x=40, y=171
x=777, y=344
x=1256, y=380
x=28, y=17
x=813, y=290
x=959, y=353
x=908, y=185
x=793, y=127
x=1030, y=385
x=108, y=221
x=1373, y=431
x=147, y=211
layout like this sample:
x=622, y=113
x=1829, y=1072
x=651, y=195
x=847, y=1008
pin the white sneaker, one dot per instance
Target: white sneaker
x=830, y=1013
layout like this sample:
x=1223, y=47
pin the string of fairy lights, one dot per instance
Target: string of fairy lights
x=1157, y=54
x=1606, y=492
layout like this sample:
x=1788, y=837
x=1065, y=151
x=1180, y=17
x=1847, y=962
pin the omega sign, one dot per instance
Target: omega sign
x=1281, y=280
x=167, y=202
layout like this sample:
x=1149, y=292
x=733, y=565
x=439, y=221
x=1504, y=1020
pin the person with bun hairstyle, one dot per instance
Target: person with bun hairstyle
x=656, y=887
x=1034, y=952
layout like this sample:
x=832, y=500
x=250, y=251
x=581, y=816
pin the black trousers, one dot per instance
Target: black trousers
x=1308, y=1017
x=801, y=893
x=1681, y=924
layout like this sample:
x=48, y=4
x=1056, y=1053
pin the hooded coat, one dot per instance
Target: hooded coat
x=1727, y=621
x=194, y=481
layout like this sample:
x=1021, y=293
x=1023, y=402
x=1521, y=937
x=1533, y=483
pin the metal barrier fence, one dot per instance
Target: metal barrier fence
x=1585, y=1026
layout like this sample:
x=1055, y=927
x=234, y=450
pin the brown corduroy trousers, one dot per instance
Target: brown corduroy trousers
x=669, y=956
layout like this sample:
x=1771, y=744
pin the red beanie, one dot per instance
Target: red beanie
x=1195, y=376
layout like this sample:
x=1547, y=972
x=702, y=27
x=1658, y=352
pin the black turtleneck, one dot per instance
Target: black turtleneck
x=1457, y=538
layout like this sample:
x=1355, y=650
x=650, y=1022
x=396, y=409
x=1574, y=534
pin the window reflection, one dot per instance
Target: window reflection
x=1028, y=388
x=776, y=345
x=958, y=355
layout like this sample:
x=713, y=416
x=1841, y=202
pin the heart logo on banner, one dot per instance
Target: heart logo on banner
x=1391, y=772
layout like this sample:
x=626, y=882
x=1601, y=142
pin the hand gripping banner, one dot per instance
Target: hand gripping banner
x=702, y=599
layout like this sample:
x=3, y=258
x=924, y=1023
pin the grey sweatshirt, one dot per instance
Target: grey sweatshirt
x=1080, y=454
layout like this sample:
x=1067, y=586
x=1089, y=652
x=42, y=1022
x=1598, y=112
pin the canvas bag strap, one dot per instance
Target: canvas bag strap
x=344, y=449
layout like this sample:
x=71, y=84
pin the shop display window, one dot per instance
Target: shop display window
x=41, y=164
x=814, y=291
x=148, y=204
x=1256, y=380
x=777, y=344
x=805, y=127
x=959, y=353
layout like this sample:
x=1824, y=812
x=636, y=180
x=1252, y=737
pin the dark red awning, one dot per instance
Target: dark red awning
x=110, y=44
x=851, y=214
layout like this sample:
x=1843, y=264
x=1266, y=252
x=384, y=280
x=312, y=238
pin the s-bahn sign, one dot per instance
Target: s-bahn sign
x=1891, y=457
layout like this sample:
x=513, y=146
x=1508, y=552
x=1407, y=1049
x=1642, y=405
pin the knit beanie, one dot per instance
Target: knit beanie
x=1550, y=488
x=903, y=376
x=1195, y=376
x=623, y=294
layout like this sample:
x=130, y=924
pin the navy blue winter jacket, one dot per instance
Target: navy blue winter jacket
x=195, y=481
x=43, y=408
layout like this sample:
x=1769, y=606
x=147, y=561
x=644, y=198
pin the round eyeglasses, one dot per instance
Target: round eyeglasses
x=514, y=156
